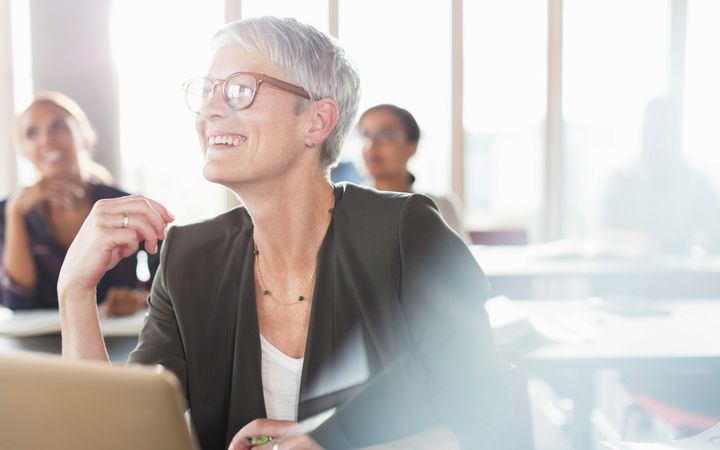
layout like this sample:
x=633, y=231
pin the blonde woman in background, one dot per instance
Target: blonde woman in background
x=38, y=222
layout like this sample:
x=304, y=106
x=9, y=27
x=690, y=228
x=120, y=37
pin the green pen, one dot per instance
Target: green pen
x=258, y=440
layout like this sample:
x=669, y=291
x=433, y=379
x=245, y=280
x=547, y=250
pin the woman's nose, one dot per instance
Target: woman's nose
x=215, y=106
x=43, y=138
x=368, y=142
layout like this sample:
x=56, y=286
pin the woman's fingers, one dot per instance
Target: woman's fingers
x=261, y=427
x=65, y=186
x=136, y=222
x=150, y=212
x=167, y=215
x=64, y=192
x=106, y=237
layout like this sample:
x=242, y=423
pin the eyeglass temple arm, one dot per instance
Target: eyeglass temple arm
x=286, y=86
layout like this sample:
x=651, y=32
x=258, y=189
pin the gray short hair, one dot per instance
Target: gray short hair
x=314, y=59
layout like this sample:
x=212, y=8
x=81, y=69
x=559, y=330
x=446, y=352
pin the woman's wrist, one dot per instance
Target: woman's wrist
x=69, y=293
x=13, y=210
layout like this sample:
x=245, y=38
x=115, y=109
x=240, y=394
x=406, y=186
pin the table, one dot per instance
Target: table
x=556, y=270
x=708, y=440
x=582, y=337
x=118, y=347
x=39, y=331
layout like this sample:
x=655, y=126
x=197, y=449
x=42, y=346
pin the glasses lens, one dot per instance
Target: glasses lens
x=197, y=92
x=240, y=91
x=383, y=136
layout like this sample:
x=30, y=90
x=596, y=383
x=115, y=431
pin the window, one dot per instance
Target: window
x=159, y=149
x=311, y=12
x=504, y=109
x=22, y=74
x=402, y=50
x=616, y=59
x=702, y=90
x=617, y=55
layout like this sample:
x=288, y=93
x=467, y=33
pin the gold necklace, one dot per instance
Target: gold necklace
x=268, y=293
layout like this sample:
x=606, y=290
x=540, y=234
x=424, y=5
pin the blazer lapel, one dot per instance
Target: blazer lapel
x=247, y=401
x=335, y=365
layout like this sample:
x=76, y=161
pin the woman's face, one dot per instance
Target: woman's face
x=50, y=138
x=386, y=149
x=263, y=141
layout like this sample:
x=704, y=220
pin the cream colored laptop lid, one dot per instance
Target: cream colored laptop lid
x=50, y=403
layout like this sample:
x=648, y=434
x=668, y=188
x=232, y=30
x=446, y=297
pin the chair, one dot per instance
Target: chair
x=687, y=422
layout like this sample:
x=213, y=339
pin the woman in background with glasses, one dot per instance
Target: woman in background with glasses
x=38, y=222
x=310, y=296
x=390, y=138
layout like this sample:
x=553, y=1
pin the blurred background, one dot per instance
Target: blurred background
x=527, y=107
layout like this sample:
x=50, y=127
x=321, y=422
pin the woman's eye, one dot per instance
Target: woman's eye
x=31, y=132
x=58, y=125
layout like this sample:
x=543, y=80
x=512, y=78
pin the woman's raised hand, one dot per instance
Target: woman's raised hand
x=58, y=191
x=113, y=230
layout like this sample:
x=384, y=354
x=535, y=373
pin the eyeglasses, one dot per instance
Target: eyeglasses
x=239, y=89
x=383, y=136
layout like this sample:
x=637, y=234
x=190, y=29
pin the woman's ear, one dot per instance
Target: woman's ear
x=323, y=118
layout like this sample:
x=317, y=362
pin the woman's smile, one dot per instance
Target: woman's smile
x=220, y=144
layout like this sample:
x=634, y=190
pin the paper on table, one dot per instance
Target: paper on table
x=29, y=323
x=123, y=326
x=509, y=321
x=47, y=321
x=707, y=440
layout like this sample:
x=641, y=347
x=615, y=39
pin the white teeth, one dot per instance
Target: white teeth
x=53, y=155
x=226, y=140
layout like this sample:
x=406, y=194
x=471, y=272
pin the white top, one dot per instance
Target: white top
x=281, y=382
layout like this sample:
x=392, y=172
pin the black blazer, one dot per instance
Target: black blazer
x=398, y=295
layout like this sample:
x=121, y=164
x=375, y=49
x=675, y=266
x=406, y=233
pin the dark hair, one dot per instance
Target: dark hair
x=412, y=130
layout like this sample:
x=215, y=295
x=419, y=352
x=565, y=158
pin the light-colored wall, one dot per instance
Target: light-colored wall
x=71, y=54
x=8, y=176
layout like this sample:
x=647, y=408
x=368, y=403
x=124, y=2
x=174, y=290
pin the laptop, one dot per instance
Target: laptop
x=50, y=403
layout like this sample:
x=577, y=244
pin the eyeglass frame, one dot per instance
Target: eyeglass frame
x=260, y=78
x=396, y=136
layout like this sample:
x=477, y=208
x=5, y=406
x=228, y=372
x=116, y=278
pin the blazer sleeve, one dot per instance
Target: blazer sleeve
x=450, y=373
x=443, y=291
x=160, y=340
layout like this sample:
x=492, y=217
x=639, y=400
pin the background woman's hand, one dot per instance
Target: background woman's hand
x=122, y=301
x=286, y=434
x=63, y=192
x=107, y=236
